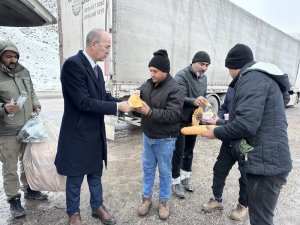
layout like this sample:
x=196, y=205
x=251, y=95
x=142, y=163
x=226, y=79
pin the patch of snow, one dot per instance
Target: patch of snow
x=39, y=51
x=296, y=35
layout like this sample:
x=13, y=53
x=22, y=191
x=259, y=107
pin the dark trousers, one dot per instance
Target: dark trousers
x=73, y=187
x=183, y=154
x=263, y=193
x=226, y=159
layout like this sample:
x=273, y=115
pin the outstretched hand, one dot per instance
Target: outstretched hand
x=124, y=107
x=209, y=134
x=212, y=120
x=200, y=101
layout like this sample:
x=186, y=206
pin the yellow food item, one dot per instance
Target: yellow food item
x=197, y=111
x=206, y=103
x=194, y=130
x=135, y=101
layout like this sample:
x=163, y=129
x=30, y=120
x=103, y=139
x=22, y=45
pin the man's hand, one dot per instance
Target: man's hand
x=124, y=107
x=200, y=101
x=37, y=110
x=144, y=109
x=209, y=133
x=11, y=108
x=211, y=121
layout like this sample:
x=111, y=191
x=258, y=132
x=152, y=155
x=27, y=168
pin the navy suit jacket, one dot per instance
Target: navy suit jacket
x=82, y=142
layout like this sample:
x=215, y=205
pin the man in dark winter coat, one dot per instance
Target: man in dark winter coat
x=225, y=160
x=193, y=81
x=258, y=117
x=82, y=139
x=163, y=100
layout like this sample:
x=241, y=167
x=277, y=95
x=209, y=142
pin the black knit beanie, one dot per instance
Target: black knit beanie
x=201, y=56
x=238, y=56
x=160, y=61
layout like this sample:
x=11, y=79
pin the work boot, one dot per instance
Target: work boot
x=212, y=205
x=16, y=208
x=187, y=184
x=145, y=206
x=35, y=195
x=164, y=210
x=239, y=213
x=75, y=219
x=178, y=191
x=104, y=215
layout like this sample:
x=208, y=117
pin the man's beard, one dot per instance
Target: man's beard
x=199, y=73
x=12, y=65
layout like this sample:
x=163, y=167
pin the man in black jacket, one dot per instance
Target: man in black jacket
x=163, y=100
x=193, y=81
x=258, y=117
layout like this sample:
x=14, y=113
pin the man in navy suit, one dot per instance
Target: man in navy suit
x=82, y=142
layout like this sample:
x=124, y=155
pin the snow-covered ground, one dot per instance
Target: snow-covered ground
x=38, y=47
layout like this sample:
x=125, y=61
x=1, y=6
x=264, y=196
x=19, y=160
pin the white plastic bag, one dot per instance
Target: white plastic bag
x=33, y=131
x=39, y=165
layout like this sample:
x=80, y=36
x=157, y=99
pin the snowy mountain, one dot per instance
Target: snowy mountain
x=296, y=35
x=38, y=47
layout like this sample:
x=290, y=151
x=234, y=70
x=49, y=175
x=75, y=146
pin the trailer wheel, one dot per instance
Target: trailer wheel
x=214, y=103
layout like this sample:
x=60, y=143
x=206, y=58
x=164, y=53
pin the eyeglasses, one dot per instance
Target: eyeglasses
x=106, y=47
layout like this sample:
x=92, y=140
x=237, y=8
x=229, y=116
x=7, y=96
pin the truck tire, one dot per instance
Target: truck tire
x=214, y=103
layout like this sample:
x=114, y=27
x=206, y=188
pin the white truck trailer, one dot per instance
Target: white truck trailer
x=182, y=27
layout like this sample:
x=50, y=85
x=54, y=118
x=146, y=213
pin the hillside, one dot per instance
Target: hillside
x=38, y=48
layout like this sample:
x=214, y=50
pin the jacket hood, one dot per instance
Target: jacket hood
x=8, y=46
x=272, y=71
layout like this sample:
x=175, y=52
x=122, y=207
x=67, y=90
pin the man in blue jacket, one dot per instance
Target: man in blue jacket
x=82, y=139
x=258, y=116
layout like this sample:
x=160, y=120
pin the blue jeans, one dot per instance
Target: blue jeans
x=158, y=151
x=73, y=187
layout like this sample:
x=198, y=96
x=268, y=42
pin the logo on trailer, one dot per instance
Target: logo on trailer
x=76, y=7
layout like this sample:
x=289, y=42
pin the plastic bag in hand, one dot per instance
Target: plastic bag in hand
x=33, y=131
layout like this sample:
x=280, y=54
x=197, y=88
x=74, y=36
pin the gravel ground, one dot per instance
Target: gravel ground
x=122, y=184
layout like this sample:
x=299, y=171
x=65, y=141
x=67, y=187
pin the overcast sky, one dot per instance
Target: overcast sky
x=282, y=14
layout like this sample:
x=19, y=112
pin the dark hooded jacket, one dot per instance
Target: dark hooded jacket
x=258, y=115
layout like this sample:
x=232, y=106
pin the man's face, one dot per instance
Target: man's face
x=9, y=59
x=233, y=72
x=102, y=48
x=157, y=75
x=200, y=67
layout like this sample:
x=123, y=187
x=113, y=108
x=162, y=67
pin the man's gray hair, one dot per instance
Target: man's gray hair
x=94, y=35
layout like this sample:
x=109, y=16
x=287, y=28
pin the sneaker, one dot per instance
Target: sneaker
x=164, y=210
x=212, y=205
x=178, y=191
x=16, y=208
x=239, y=213
x=35, y=195
x=145, y=206
x=187, y=184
